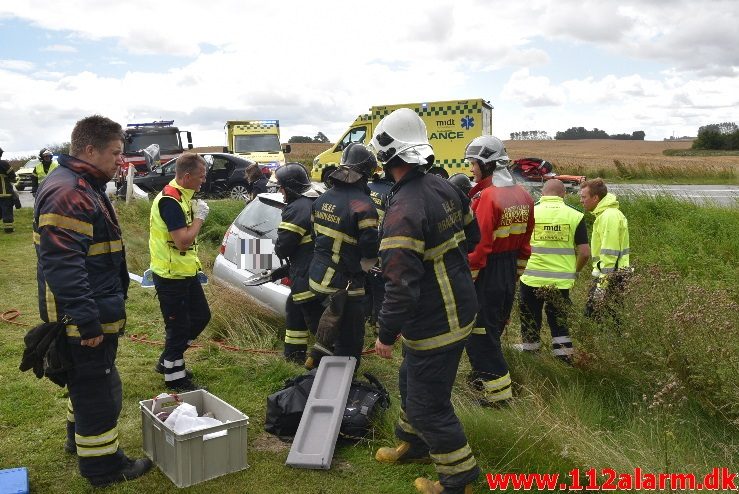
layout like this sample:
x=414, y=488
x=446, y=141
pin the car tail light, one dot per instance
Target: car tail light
x=286, y=281
x=225, y=239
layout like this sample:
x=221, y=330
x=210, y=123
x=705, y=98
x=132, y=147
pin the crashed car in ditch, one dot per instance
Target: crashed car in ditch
x=247, y=253
x=248, y=250
x=533, y=172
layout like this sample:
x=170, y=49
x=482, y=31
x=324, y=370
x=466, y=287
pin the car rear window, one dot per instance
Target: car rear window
x=260, y=217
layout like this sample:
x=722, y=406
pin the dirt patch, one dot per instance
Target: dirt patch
x=269, y=443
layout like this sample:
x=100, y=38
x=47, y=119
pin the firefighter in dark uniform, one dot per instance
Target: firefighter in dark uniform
x=430, y=299
x=41, y=170
x=7, y=194
x=505, y=215
x=83, y=281
x=379, y=187
x=294, y=244
x=346, y=240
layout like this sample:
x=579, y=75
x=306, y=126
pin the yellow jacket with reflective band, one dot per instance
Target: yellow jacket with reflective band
x=39, y=170
x=553, y=258
x=609, y=244
x=167, y=260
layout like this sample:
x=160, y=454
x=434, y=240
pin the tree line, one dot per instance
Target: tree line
x=724, y=135
x=575, y=133
x=320, y=137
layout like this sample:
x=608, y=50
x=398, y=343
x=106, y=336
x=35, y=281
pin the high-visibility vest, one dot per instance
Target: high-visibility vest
x=609, y=245
x=41, y=174
x=167, y=260
x=553, y=257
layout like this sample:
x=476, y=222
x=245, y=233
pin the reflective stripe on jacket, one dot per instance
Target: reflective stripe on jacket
x=295, y=243
x=167, y=260
x=505, y=216
x=7, y=177
x=81, y=271
x=610, y=239
x=345, y=231
x=379, y=189
x=553, y=257
x=429, y=294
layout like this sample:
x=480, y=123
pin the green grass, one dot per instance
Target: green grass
x=699, y=152
x=660, y=394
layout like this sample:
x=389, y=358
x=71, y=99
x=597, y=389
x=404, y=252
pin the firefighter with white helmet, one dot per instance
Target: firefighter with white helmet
x=426, y=235
x=505, y=215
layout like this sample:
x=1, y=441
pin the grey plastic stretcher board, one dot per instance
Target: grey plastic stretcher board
x=315, y=440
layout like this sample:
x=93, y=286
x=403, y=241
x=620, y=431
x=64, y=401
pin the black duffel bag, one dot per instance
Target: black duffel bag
x=285, y=407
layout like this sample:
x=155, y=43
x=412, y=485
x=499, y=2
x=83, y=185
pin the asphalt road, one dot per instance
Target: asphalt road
x=724, y=195
x=27, y=198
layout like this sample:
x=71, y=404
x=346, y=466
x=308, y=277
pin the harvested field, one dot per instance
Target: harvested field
x=306, y=150
x=626, y=160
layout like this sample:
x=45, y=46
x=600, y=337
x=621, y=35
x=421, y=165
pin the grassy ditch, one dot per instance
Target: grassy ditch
x=659, y=393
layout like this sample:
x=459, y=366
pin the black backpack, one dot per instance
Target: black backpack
x=285, y=407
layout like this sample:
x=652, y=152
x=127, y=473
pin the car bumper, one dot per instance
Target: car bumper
x=270, y=295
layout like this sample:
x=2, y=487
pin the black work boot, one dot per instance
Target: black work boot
x=181, y=385
x=297, y=357
x=131, y=470
x=70, y=446
x=160, y=369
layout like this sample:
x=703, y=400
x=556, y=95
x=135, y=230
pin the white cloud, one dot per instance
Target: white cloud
x=530, y=90
x=316, y=66
x=61, y=48
x=17, y=65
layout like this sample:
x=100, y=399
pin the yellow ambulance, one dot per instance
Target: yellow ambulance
x=256, y=140
x=451, y=125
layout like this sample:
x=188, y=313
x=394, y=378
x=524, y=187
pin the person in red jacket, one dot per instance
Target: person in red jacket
x=505, y=215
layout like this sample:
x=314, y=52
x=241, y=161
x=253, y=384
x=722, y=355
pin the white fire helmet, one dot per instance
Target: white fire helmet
x=403, y=134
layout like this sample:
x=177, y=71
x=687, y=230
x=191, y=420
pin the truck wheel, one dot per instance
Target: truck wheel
x=324, y=176
x=440, y=172
x=238, y=191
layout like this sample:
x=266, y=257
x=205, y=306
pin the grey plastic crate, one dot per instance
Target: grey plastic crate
x=189, y=459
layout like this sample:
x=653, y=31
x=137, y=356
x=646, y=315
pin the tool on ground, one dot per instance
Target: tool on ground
x=315, y=439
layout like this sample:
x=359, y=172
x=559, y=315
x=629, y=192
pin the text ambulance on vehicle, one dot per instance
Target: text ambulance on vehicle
x=139, y=136
x=451, y=125
x=256, y=140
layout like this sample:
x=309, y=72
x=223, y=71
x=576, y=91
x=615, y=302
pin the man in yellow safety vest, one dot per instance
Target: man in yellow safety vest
x=609, y=246
x=175, y=222
x=559, y=250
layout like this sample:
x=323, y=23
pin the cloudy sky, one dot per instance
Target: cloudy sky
x=665, y=67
